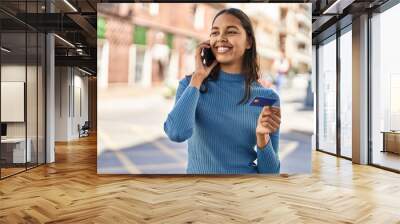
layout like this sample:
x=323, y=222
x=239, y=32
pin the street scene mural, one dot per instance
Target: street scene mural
x=148, y=57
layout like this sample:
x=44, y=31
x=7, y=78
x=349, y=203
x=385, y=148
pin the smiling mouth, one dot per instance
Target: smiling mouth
x=223, y=49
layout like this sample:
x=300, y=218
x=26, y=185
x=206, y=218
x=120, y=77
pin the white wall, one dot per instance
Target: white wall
x=69, y=85
x=80, y=83
x=62, y=81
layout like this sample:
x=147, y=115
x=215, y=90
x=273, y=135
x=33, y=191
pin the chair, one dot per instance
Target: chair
x=84, y=130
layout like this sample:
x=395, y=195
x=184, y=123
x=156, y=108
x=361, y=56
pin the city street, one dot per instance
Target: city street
x=131, y=139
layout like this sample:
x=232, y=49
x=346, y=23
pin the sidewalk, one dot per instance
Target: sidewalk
x=130, y=116
x=295, y=117
x=297, y=125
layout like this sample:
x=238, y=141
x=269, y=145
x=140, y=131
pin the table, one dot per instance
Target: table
x=391, y=141
x=18, y=149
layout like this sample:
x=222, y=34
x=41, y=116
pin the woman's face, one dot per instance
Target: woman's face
x=228, y=39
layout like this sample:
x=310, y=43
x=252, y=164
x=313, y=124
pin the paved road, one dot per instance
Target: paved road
x=131, y=138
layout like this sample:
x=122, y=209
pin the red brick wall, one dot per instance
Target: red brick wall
x=119, y=35
x=120, y=28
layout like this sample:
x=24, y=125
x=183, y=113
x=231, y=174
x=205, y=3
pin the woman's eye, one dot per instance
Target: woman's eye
x=228, y=32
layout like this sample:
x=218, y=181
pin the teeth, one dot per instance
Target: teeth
x=222, y=49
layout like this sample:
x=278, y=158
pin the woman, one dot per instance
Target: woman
x=225, y=134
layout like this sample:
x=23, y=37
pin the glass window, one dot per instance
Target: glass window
x=31, y=97
x=22, y=91
x=327, y=96
x=14, y=150
x=346, y=94
x=385, y=84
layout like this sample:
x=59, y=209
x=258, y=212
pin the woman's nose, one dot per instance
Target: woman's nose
x=222, y=37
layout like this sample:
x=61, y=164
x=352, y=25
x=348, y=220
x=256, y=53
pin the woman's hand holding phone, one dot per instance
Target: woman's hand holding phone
x=268, y=122
x=201, y=71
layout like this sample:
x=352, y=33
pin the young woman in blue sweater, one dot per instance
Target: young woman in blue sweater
x=225, y=134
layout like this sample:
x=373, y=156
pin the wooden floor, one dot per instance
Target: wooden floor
x=388, y=159
x=70, y=191
x=10, y=171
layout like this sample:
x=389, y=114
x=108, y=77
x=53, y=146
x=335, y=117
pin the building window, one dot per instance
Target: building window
x=199, y=14
x=170, y=40
x=302, y=28
x=140, y=35
x=101, y=28
x=139, y=62
x=154, y=9
x=302, y=47
x=283, y=13
x=144, y=6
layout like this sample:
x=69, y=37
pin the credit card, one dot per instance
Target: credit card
x=262, y=101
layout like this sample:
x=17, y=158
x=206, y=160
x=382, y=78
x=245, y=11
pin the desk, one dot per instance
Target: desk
x=391, y=141
x=18, y=149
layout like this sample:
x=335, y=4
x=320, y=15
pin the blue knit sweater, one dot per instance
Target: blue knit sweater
x=221, y=134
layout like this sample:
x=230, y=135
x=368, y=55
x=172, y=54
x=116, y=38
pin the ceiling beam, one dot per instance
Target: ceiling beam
x=83, y=23
x=337, y=7
x=320, y=22
x=82, y=61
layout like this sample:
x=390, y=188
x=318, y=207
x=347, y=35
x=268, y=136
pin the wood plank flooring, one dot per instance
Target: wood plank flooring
x=70, y=191
x=10, y=171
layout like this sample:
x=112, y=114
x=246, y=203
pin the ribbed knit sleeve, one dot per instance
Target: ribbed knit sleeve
x=267, y=157
x=180, y=121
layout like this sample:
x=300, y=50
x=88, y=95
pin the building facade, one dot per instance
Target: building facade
x=147, y=46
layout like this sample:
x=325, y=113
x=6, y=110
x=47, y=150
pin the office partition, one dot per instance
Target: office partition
x=22, y=77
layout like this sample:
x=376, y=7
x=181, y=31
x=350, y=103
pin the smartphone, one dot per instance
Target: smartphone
x=207, y=56
x=262, y=101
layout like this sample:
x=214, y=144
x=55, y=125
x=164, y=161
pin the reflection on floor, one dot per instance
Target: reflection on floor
x=387, y=159
x=346, y=151
x=10, y=169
